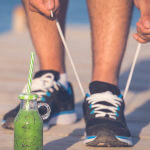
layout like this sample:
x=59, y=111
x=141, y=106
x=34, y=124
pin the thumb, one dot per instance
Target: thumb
x=145, y=20
x=49, y=4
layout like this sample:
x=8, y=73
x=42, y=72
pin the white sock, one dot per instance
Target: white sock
x=63, y=80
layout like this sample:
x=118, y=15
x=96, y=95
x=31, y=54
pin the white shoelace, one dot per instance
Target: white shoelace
x=43, y=84
x=108, y=97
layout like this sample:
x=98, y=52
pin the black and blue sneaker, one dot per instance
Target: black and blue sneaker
x=50, y=91
x=103, y=112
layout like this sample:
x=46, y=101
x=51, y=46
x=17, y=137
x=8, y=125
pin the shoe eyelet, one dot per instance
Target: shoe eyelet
x=48, y=94
x=92, y=112
x=43, y=99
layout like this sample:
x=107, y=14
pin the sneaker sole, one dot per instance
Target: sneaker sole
x=108, y=141
x=7, y=124
x=63, y=118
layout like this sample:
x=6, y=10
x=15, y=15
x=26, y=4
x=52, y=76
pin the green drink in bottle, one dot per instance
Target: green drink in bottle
x=28, y=125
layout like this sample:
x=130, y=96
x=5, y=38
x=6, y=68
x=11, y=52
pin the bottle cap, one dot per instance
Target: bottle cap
x=28, y=96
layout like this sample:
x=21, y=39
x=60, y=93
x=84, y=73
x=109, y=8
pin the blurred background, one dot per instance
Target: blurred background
x=14, y=64
x=11, y=15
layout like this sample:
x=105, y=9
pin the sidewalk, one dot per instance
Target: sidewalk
x=14, y=64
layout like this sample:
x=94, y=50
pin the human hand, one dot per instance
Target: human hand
x=143, y=25
x=44, y=6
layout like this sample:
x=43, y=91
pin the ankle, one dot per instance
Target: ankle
x=60, y=77
x=106, y=74
x=106, y=78
x=144, y=6
x=56, y=67
x=63, y=80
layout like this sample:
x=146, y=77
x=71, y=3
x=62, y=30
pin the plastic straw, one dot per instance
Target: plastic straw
x=30, y=73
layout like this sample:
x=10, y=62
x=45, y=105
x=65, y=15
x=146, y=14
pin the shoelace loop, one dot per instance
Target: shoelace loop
x=43, y=84
x=98, y=106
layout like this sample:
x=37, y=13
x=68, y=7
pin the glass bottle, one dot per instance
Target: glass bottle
x=28, y=124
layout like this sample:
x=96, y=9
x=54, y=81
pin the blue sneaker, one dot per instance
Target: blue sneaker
x=49, y=90
x=104, y=117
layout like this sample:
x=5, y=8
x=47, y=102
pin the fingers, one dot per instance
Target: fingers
x=44, y=6
x=51, y=4
x=54, y=7
x=38, y=6
x=139, y=39
x=57, y=5
x=143, y=30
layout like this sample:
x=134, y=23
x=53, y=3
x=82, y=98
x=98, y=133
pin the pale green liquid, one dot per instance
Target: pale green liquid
x=28, y=131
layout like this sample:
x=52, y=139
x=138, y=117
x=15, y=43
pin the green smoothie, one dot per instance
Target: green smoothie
x=28, y=130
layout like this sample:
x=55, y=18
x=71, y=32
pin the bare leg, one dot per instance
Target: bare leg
x=46, y=39
x=109, y=24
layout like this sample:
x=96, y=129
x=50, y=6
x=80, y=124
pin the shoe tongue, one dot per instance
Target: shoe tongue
x=42, y=72
x=99, y=87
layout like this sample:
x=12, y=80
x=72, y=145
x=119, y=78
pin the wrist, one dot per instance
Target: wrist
x=143, y=6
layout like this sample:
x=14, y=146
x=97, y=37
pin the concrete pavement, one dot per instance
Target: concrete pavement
x=14, y=63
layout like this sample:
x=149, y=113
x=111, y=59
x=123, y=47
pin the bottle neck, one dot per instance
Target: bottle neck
x=28, y=104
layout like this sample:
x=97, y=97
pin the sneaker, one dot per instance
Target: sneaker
x=49, y=90
x=104, y=117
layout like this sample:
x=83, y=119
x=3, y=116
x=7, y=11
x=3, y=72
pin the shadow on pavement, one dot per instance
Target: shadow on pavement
x=139, y=115
x=139, y=119
x=72, y=138
x=140, y=83
x=65, y=142
x=79, y=111
x=142, y=69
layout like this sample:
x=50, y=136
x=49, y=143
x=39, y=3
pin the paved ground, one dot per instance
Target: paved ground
x=14, y=62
